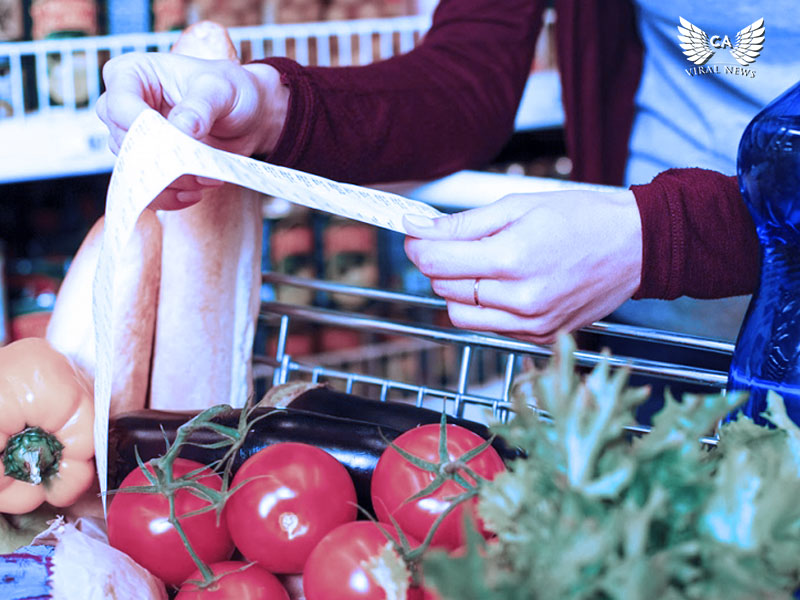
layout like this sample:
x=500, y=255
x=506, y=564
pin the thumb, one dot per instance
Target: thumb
x=471, y=224
x=208, y=98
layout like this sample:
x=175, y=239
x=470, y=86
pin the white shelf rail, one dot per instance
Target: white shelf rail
x=48, y=88
x=45, y=76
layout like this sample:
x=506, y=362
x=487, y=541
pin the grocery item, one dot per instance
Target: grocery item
x=599, y=512
x=32, y=287
x=285, y=498
x=428, y=480
x=68, y=561
x=12, y=25
x=137, y=521
x=324, y=400
x=356, y=560
x=291, y=246
x=356, y=444
x=169, y=14
x=71, y=329
x=350, y=251
x=210, y=282
x=54, y=19
x=46, y=429
x=237, y=579
x=767, y=354
x=229, y=13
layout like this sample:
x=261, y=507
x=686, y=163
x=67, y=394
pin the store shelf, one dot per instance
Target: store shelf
x=53, y=145
x=42, y=140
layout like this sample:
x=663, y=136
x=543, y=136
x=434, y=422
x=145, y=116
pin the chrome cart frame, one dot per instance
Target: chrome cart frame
x=464, y=394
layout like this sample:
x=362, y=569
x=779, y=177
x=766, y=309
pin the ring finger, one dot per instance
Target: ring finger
x=486, y=293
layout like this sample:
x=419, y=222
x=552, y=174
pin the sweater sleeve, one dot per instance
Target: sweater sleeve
x=698, y=238
x=448, y=104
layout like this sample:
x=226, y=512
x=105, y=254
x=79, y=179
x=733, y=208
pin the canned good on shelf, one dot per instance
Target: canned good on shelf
x=12, y=25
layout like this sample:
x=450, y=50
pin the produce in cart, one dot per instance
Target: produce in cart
x=210, y=281
x=71, y=327
x=237, y=581
x=361, y=559
x=139, y=523
x=46, y=429
x=597, y=512
x=427, y=482
x=284, y=499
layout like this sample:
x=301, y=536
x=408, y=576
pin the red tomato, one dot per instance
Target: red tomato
x=138, y=525
x=395, y=480
x=239, y=581
x=356, y=561
x=291, y=495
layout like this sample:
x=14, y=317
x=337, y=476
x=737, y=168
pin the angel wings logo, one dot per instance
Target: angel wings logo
x=699, y=47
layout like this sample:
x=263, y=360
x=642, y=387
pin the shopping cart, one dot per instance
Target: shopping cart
x=410, y=357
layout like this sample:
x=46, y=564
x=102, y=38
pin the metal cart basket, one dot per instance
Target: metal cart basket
x=413, y=359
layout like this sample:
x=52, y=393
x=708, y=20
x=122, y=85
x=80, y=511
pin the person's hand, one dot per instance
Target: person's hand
x=238, y=108
x=545, y=262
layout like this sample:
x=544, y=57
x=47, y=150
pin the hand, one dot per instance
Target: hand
x=238, y=108
x=546, y=262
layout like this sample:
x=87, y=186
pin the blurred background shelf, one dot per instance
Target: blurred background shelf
x=55, y=163
x=48, y=87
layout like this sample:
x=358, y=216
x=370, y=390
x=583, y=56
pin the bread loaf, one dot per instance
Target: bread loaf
x=210, y=281
x=71, y=327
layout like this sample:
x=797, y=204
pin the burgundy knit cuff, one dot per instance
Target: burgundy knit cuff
x=663, y=240
x=300, y=114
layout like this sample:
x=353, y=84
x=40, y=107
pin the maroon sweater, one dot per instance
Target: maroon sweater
x=450, y=104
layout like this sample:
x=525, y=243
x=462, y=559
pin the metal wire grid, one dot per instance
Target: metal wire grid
x=30, y=65
x=462, y=395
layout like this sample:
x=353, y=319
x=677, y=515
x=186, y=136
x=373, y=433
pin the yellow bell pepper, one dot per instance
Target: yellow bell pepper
x=46, y=435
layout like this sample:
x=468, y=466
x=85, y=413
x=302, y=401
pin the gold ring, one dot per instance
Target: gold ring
x=475, y=296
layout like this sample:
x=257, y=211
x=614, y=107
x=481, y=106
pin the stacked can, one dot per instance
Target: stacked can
x=291, y=243
x=229, y=13
x=12, y=25
x=61, y=18
x=350, y=256
x=169, y=15
x=299, y=11
x=338, y=10
x=65, y=18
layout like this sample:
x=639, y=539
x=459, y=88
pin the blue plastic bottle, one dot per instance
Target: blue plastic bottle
x=767, y=355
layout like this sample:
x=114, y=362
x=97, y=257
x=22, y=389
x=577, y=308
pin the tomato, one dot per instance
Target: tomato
x=356, y=561
x=239, y=581
x=396, y=479
x=291, y=495
x=138, y=525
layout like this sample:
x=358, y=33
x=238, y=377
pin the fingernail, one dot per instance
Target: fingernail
x=208, y=182
x=186, y=121
x=188, y=197
x=419, y=221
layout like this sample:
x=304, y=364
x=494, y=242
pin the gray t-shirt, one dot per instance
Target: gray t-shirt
x=690, y=115
x=696, y=121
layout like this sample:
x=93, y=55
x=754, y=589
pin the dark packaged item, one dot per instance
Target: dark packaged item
x=32, y=288
x=356, y=444
x=397, y=415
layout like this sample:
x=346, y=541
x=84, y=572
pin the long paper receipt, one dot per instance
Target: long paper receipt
x=152, y=156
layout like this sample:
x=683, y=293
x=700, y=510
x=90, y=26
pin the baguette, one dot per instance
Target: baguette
x=71, y=327
x=210, y=282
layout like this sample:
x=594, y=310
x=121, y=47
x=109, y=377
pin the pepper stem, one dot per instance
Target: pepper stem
x=33, y=455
